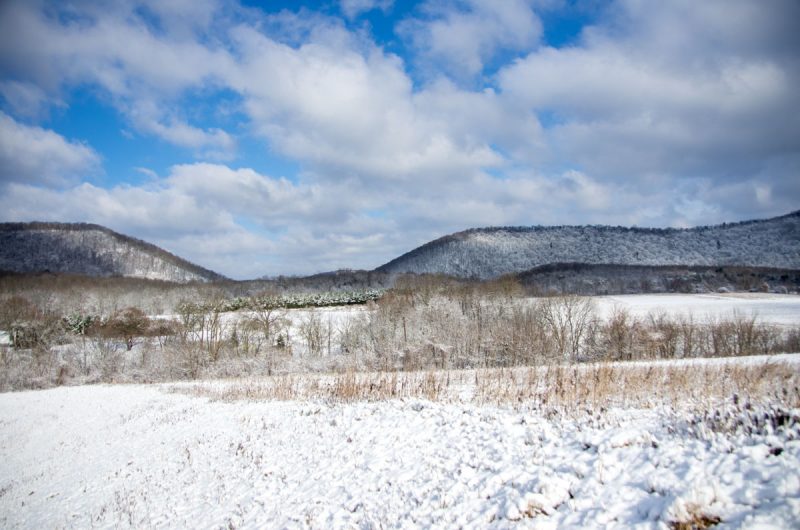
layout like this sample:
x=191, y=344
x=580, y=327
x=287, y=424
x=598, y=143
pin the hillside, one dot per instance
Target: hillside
x=91, y=250
x=490, y=252
x=589, y=279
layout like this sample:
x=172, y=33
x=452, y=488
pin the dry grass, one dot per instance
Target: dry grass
x=558, y=386
x=599, y=385
x=344, y=387
x=699, y=522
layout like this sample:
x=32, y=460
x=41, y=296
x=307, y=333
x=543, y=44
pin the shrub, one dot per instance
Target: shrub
x=128, y=323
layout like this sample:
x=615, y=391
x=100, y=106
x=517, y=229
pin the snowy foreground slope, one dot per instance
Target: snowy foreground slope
x=137, y=456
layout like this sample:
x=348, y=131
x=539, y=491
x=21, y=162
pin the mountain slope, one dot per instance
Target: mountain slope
x=92, y=250
x=491, y=252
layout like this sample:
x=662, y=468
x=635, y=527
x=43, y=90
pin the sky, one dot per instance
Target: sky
x=277, y=137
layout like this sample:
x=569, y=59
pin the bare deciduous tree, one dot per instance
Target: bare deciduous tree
x=567, y=319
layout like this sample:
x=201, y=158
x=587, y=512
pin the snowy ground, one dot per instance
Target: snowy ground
x=781, y=309
x=139, y=456
x=135, y=456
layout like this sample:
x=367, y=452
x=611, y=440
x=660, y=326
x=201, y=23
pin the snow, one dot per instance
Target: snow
x=138, y=456
x=781, y=309
x=492, y=252
x=157, y=456
x=334, y=317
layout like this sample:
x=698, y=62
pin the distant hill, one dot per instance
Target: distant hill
x=590, y=279
x=486, y=253
x=91, y=250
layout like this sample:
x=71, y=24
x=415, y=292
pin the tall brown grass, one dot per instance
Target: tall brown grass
x=562, y=387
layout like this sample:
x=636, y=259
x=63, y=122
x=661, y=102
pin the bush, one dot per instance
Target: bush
x=127, y=324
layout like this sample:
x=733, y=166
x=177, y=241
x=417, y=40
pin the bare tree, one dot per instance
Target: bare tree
x=311, y=330
x=567, y=319
x=269, y=320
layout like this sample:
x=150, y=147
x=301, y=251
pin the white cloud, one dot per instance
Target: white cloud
x=27, y=100
x=349, y=111
x=192, y=198
x=266, y=200
x=110, y=45
x=336, y=103
x=354, y=8
x=676, y=89
x=676, y=113
x=212, y=143
x=462, y=36
x=607, y=81
x=183, y=18
x=33, y=154
x=201, y=211
x=147, y=172
x=147, y=210
x=144, y=71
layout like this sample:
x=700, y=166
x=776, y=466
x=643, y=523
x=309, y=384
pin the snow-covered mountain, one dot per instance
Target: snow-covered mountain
x=92, y=250
x=490, y=252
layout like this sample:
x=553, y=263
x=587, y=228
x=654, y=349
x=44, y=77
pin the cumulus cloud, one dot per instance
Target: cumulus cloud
x=27, y=99
x=679, y=90
x=168, y=217
x=350, y=111
x=211, y=143
x=142, y=69
x=265, y=222
x=339, y=104
x=461, y=36
x=268, y=201
x=191, y=198
x=152, y=211
x=32, y=154
x=672, y=114
x=115, y=45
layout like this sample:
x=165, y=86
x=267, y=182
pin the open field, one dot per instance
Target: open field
x=778, y=309
x=196, y=453
x=406, y=330
x=329, y=430
x=774, y=309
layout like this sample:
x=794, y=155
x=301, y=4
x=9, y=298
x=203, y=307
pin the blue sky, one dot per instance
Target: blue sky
x=266, y=138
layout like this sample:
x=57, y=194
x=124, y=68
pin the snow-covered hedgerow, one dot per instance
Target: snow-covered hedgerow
x=291, y=300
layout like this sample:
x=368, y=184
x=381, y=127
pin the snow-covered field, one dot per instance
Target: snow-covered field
x=137, y=456
x=778, y=309
x=781, y=309
x=169, y=456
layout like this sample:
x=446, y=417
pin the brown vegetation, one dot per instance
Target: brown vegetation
x=425, y=323
x=557, y=388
